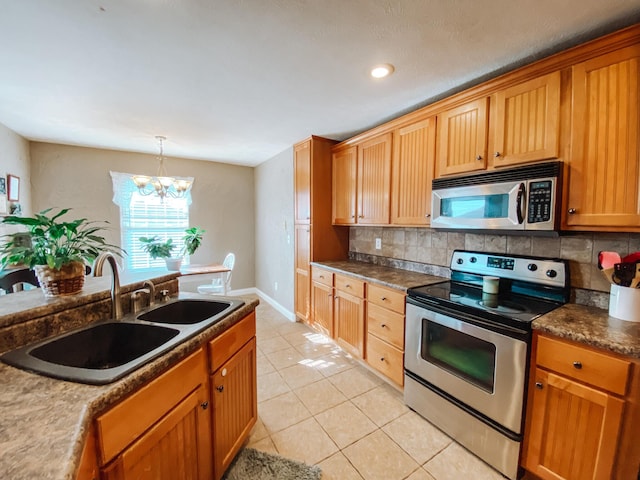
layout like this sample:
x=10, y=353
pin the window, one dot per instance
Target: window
x=147, y=216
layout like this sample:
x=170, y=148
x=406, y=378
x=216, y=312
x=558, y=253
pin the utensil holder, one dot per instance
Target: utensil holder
x=624, y=303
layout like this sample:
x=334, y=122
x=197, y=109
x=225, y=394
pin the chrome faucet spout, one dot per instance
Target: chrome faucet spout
x=116, y=302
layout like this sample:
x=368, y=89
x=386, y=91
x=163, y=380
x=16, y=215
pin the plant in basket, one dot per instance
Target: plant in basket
x=58, y=249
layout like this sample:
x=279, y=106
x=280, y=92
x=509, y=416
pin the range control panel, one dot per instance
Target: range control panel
x=545, y=271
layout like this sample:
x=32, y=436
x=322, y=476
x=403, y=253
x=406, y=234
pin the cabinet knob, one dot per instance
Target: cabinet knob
x=329, y=294
x=204, y=405
x=360, y=216
x=321, y=276
x=383, y=299
x=384, y=325
x=577, y=365
x=353, y=216
x=220, y=388
x=347, y=285
x=478, y=157
x=539, y=385
x=382, y=359
x=572, y=211
x=428, y=215
x=497, y=154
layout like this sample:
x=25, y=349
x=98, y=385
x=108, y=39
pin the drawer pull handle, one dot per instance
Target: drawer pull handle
x=220, y=388
x=204, y=405
x=384, y=299
x=539, y=385
x=577, y=365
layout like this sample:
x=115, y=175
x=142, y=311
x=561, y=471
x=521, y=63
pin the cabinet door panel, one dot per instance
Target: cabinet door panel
x=574, y=430
x=345, y=164
x=302, y=277
x=462, y=138
x=322, y=301
x=528, y=121
x=605, y=160
x=233, y=390
x=374, y=180
x=349, y=323
x=178, y=446
x=413, y=165
x=302, y=181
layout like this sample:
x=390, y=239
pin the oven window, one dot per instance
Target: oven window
x=463, y=355
x=476, y=206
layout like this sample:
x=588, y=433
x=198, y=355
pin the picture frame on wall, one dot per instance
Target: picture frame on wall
x=3, y=186
x=14, y=188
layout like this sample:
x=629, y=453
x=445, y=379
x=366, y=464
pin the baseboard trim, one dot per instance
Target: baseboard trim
x=287, y=314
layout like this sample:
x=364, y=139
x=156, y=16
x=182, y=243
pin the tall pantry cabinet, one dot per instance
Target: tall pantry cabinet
x=316, y=239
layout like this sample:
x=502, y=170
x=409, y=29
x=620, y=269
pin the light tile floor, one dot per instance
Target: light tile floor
x=318, y=405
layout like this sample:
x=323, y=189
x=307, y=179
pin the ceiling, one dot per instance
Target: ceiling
x=239, y=81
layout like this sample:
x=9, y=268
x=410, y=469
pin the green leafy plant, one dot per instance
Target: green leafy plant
x=192, y=240
x=54, y=242
x=157, y=248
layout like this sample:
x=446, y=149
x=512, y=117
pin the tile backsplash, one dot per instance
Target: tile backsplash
x=428, y=246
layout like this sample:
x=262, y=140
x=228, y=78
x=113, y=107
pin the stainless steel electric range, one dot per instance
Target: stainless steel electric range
x=467, y=348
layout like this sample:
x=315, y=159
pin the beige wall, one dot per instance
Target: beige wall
x=223, y=196
x=274, y=228
x=14, y=159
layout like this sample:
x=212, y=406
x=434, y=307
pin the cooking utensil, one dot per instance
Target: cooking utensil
x=608, y=259
x=608, y=274
x=636, y=280
x=624, y=273
x=632, y=257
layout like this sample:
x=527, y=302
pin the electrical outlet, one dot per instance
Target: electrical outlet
x=275, y=286
x=378, y=243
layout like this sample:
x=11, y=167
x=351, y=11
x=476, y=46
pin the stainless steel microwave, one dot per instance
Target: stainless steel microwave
x=517, y=199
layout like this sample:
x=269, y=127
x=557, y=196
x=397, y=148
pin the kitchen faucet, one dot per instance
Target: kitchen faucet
x=116, y=302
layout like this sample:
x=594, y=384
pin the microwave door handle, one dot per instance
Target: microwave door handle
x=520, y=203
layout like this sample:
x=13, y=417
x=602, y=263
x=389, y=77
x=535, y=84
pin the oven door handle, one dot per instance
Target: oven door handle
x=477, y=321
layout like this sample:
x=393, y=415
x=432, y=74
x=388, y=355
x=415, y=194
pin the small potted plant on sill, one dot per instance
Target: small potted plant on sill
x=192, y=240
x=57, y=249
x=157, y=248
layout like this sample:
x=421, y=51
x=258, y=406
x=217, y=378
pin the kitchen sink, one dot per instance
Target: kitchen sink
x=107, y=351
x=188, y=311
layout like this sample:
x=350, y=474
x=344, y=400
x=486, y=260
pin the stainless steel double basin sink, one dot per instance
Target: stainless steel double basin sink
x=106, y=351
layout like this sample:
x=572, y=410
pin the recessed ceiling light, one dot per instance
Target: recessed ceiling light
x=381, y=71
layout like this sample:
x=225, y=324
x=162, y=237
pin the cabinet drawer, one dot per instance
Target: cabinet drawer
x=386, y=297
x=322, y=276
x=125, y=422
x=224, y=346
x=583, y=364
x=350, y=285
x=386, y=325
x=385, y=358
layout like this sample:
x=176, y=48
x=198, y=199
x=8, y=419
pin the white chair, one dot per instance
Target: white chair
x=221, y=283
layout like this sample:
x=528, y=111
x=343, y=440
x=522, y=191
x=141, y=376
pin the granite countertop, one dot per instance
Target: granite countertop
x=44, y=421
x=592, y=326
x=386, y=276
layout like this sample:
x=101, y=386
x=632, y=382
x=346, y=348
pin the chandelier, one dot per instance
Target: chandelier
x=162, y=185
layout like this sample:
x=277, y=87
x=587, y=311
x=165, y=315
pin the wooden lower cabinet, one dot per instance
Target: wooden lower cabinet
x=188, y=423
x=322, y=310
x=575, y=413
x=161, y=431
x=235, y=412
x=349, y=322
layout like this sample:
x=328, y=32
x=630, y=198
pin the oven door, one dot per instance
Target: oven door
x=481, y=368
x=488, y=206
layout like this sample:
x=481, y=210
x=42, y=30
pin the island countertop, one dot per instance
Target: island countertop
x=44, y=421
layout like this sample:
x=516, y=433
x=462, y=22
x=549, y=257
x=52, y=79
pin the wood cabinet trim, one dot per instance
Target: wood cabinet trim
x=225, y=345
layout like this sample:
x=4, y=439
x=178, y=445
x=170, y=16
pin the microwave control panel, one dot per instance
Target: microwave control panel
x=539, y=204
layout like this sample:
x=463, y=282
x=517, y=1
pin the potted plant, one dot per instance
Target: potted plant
x=157, y=248
x=192, y=240
x=57, y=249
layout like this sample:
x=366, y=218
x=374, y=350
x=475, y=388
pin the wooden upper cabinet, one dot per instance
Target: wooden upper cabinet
x=302, y=181
x=374, y=180
x=527, y=126
x=604, y=166
x=345, y=168
x=412, y=172
x=462, y=138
